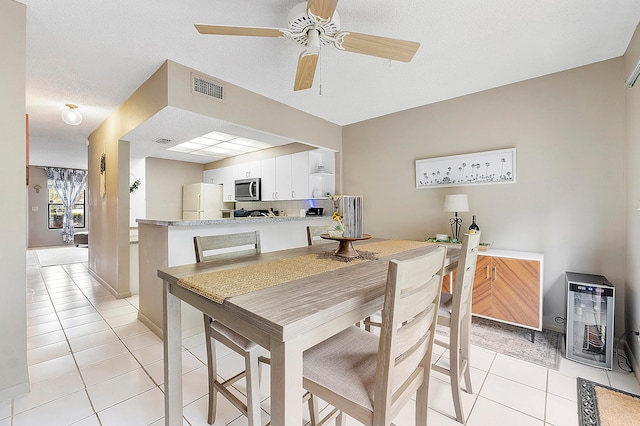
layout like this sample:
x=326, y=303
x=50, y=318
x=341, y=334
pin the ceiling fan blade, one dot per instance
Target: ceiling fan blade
x=322, y=8
x=383, y=47
x=239, y=31
x=306, y=70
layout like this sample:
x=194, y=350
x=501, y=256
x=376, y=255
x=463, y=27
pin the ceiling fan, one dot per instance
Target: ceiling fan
x=314, y=23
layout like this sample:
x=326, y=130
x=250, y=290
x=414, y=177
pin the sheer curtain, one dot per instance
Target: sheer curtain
x=68, y=183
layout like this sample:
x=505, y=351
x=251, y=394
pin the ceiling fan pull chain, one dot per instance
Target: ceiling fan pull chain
x=320, y=59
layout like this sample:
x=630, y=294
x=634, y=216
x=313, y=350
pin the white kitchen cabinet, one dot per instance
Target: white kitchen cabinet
x=300, y=176
x=268, y=180
x=249, y=170
x=276, y=178
x=225, y=176
x=229, y=183
x=213, y=176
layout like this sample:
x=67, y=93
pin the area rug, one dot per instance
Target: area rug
x=515, y=341
x=62, y=255
x=601, y=405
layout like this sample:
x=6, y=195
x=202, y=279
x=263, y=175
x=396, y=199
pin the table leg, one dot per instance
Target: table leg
x=286, y=383
x=172, y=337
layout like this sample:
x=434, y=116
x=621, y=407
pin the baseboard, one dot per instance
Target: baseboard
x=154, y=328
x=632, y=361
x=110, y=289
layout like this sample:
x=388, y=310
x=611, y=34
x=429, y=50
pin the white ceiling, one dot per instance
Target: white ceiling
x=95, y=54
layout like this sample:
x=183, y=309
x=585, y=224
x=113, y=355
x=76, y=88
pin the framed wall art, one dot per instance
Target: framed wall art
x=497, y=166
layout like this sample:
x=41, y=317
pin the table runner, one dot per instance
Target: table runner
x=220, y=285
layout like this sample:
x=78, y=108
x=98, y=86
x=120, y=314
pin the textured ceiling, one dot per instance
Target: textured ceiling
x=95, y=54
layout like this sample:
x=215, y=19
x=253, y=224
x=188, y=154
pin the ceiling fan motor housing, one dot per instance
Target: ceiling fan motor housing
x=300, y=23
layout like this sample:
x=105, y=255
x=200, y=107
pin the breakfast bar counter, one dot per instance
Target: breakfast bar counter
x=165, y=243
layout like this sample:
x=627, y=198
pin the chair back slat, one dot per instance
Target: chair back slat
x=465, y=273
x=408, y=323
x=212, y=247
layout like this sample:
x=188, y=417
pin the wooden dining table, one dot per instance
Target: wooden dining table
x=298, y=307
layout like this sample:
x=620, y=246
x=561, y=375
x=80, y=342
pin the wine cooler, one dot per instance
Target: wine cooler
x=589, y=329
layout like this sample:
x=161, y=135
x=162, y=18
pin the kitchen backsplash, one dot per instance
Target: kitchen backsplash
x=288, y=207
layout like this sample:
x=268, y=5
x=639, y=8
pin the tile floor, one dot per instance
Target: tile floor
x=92, y=363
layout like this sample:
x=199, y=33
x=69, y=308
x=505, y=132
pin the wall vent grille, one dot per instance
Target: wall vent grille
x=162, y=141
x=207, y=88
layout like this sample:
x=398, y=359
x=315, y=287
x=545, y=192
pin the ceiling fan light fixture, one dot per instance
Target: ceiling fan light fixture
x=71, y=115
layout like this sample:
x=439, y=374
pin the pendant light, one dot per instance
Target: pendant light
x=71, y=115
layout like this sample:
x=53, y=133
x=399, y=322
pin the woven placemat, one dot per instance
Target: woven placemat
x=220, y=285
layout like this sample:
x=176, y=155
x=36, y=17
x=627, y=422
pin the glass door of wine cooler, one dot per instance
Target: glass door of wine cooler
x=590, y=308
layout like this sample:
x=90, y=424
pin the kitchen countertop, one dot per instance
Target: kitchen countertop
x=227, y=221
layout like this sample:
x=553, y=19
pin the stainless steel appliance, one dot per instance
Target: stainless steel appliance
x=590, y=307
x=315, y=211
x=247, y=189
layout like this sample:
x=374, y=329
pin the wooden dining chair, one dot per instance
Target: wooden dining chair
x=225, y=246
x=371, y=378
x=455, y=312
x=313, y=235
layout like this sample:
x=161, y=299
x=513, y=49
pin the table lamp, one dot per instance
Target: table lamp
x=456, y=203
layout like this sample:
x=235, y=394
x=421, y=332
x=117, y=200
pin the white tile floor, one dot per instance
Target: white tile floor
x=92, y=363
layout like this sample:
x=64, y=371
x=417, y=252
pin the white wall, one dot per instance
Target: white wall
x=14, y=378
x=569, y=199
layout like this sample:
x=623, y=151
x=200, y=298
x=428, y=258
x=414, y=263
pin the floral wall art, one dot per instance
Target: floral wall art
x=497, y=166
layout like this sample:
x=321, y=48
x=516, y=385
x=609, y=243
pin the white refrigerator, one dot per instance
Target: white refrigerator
x=202, y=201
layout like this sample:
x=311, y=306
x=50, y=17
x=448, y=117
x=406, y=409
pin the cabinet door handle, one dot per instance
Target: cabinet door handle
x=487, y=274
x=495, y=273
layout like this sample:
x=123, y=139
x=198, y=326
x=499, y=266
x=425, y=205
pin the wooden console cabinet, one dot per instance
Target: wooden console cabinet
x=508, y=287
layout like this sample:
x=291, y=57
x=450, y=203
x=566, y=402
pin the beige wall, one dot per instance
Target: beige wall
x=14, y=379
x=109, y=214
x=249, y=109
x=569, y=199
x=170, y=86
x=632, y=154
x=39, y=233
x=164, y=196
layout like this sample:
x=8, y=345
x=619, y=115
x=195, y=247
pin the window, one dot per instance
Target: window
x=56, y=210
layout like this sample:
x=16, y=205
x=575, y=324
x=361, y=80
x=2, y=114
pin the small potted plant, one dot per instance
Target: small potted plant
x=336, y=229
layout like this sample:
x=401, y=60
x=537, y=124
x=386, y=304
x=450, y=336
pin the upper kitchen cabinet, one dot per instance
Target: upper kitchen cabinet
x=213, y=176
x=276, y=178
x=300, y=176
x=225, y=176
x=252, y=169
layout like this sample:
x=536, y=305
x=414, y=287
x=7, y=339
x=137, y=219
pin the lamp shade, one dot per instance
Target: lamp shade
x=71, y=115
x=456, y=203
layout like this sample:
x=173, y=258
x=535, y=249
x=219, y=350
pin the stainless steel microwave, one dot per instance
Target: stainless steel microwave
x=248, y=189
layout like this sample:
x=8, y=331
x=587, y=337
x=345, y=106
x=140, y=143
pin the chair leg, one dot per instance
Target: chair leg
x=454, y=369
x=457, y=397
x=253, y=389
x=465, y=355
x=211, y=369
x=313, y=410
x=422, y=402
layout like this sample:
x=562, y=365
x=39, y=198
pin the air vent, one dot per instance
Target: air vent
x=207, y=88
x=162, y=141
